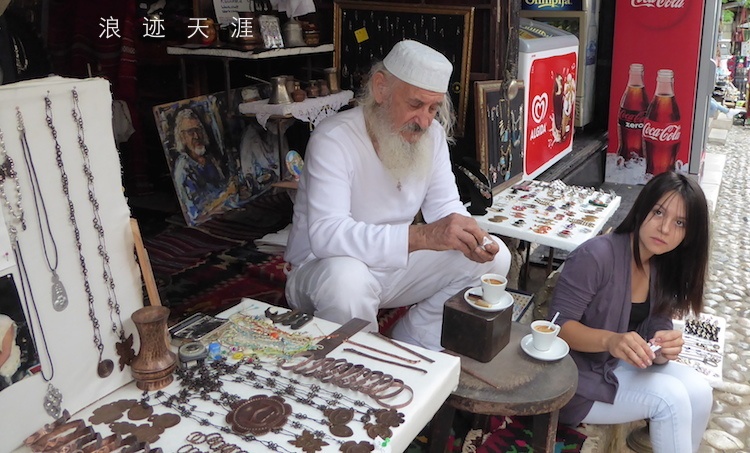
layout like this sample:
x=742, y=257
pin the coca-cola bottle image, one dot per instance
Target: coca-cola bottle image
x=632, y=113
x=661, y=129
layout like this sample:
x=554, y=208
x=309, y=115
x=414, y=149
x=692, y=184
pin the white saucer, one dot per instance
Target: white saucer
x=558, y=350
x=504, y=303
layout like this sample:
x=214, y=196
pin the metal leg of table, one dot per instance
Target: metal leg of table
x=440, y=428
x=550, y=260
x=545, y=432
x=524, y=277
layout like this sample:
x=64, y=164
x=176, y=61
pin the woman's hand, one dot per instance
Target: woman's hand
x=671, y=342
x=631, y=348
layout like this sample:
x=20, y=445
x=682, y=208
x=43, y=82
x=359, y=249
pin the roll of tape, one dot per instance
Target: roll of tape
x=192, y=351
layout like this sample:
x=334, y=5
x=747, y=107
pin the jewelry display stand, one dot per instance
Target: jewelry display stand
x=92, y=244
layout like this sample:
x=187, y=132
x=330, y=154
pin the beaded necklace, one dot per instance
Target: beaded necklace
x=59, y=295
x=207, y=381
x=125, y=346
x=105, y=366
x=249, y=335
x=53, y=397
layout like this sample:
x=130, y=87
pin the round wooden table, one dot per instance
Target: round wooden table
x=513, y=383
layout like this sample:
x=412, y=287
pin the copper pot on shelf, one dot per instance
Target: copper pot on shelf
x=279, y=94
x=248, y=36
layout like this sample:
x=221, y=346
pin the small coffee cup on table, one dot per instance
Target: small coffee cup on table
x=543, y=334
x=493, y=288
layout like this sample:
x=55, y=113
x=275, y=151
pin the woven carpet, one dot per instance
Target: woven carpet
x=505, y=435
x=211, y=267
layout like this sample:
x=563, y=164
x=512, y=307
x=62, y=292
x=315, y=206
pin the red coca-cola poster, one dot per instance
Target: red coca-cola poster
x=551, y=110
x=656, y=53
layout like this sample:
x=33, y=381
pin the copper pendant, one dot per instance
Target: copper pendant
x=125, y=351
x=258, y=415
x=357, y=447
x=140, y=411
x=308, y=442
x=111, y=412
x=165, y=420
x=105, y=368
x=338, y=418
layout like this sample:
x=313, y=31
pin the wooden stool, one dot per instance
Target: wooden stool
x=511, y=384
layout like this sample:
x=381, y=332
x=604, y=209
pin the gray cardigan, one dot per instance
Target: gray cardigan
x=594, y=289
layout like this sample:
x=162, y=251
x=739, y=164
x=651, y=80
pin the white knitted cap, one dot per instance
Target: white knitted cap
x=419, y=65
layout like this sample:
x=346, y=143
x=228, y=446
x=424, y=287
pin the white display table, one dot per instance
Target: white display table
x=540, y=212
x=430, y=389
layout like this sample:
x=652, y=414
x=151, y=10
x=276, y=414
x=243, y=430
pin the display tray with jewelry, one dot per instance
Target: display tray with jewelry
x=704, y=344
x=549, y=213
x=272, y=379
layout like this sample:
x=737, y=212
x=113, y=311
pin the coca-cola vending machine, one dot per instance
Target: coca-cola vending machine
x=662, y=78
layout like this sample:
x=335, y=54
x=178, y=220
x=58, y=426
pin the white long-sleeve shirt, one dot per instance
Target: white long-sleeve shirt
x=348, y=204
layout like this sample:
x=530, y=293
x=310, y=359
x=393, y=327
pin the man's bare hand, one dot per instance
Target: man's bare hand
x=454, y=232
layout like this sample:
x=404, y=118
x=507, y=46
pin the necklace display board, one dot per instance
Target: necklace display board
x=68, y=247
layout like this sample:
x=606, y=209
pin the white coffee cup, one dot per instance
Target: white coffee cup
x=493, y=288
x=543, y=334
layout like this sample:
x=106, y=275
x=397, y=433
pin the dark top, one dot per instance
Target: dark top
x=638, y=312
x=594, y=289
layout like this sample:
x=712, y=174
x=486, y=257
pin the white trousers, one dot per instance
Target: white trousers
x=341, y=288
x=674, y=397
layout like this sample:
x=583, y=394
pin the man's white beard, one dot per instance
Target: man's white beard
x=402, y=159
x=199, y=150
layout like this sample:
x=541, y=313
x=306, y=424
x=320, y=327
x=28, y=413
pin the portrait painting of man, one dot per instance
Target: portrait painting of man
x=202, y=169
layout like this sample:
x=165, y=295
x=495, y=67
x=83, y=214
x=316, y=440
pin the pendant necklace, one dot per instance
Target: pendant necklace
x=59, y=295
x=125, y=346
x=53, y=397
x=105, y=366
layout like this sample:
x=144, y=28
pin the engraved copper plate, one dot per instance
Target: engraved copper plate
x=259, y=414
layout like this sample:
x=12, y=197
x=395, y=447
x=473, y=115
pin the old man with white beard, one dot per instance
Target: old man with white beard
x=354, y=248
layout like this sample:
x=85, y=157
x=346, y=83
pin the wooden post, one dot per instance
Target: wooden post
x=145, y=264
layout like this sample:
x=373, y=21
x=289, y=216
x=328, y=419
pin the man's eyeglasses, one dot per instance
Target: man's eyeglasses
x=193, y=131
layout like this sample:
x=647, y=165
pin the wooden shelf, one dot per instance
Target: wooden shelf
x=257, y=54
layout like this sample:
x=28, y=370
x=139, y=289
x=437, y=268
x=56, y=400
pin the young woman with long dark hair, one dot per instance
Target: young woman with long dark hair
x=617, y=296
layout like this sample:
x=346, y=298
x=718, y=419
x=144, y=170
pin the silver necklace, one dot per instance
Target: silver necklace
x=8, y=172
x=53, y=397
x=59, y=295
x=104, y=367
x=125, y=346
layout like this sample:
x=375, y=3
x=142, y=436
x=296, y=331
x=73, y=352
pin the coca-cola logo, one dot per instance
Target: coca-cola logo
x=668, y=133
x=631, y=117
x=660, y=14
x=539, y=106
x=658, y=3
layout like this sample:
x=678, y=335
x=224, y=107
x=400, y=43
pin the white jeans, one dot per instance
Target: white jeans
x=674, y=397
x=341, y=288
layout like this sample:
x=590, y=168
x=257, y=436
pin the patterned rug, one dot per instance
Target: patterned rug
x=506, y=435
x=212, y=267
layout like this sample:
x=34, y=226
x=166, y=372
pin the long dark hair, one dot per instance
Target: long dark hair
x=682, y=271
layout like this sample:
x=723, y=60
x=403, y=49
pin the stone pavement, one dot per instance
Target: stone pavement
x=728, y=296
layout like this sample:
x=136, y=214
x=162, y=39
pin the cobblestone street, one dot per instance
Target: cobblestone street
x=728, y=296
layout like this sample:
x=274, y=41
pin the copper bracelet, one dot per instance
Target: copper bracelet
x=56, y=438
x=46, y=429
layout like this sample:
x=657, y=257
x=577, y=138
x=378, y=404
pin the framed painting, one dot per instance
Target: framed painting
x=18, y=355
x=203, y=171
x=499, y=132
x=364, y=32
